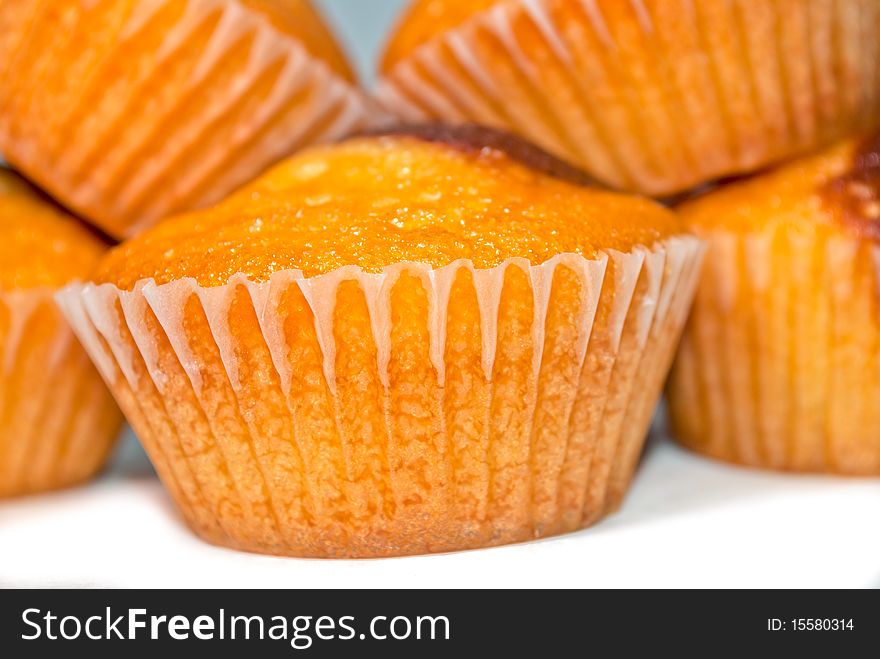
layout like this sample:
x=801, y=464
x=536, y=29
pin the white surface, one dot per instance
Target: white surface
x=688, y=522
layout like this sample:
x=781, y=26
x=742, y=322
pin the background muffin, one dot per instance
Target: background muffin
x=430, y=341
x=656, y=96
x=780, y=365
x=129, y=110
x=57, y=419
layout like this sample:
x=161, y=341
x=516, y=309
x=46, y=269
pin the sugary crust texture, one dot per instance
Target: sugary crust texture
x=780, y=364
x=376, y=201
x=129, y=111
x=475, y=140
x=362, y=415
x=58, y=420
x=837, y=190
x=854, y=197
x=41, y=245
x=656, y=96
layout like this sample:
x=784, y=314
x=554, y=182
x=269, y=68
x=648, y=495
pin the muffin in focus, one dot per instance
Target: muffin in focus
x=433, y=340
x=58, y=422
x=130, y=110
x=780, y=365
x=654, y=96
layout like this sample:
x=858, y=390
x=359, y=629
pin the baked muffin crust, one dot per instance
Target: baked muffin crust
x=838, y=189
x=41, y=246
x=378, y=200
x=854, y=197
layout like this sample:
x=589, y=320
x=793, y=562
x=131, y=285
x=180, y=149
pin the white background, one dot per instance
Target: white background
x=688, y=522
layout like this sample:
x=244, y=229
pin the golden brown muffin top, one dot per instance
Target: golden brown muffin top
x=301, y=20
x=839, y=188
x=854, y=197
x=426, y=19
x=39, y=244
x=432, y=195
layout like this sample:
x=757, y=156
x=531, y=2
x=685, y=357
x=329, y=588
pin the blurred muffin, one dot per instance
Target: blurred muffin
x=129, y=110
x=422, y=342
x=57, y=419
x=780, y=364
x=655, y=96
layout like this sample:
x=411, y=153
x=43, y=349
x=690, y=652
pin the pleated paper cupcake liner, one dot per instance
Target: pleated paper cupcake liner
x=131, y=111
x=780, y=365
x=412, y=411
x=58, y=421
x=653, y=96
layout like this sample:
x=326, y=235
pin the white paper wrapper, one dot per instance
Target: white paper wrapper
x=780, y=365
x=293, y=427
x=57, y=419
x=655, y=96
x=207, y=102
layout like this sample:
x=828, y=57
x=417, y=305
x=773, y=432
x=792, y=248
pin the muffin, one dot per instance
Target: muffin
x=655, y=96
x=130, y=110
x=780, y=363
x=57, y=419
x=418, y=342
